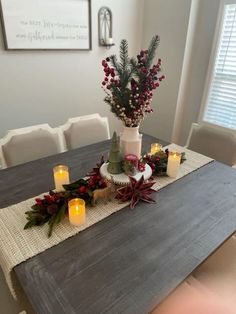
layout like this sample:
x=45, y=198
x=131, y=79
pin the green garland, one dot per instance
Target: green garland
x=158, y=162
x=52, y=208
x=54, y=205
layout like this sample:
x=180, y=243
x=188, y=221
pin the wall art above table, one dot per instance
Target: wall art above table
x=46, y=24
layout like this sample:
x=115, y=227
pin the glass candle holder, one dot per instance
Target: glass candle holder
x=173, y=164
x=76, y=209
x=130, y=164
x=155, y=148
x=61, y=177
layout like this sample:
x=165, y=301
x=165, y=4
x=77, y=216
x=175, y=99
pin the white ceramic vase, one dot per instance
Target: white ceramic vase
x=131, y=141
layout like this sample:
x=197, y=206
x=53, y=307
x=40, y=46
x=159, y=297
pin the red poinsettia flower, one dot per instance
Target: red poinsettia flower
x=136, y=191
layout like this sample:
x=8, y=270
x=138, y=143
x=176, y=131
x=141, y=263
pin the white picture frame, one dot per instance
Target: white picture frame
x=46, y=24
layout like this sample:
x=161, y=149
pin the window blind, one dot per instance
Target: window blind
x=221, y=101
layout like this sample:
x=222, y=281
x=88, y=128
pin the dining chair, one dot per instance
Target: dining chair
x=1, y=160
x=193, y=298
x=8, y=304
x=218, y=272
x=30, y=143
x=85, y=130
x=216, y=142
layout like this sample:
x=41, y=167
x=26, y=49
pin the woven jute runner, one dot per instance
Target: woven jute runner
x=17, y=245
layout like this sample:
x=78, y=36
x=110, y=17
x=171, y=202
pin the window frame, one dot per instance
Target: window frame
x=210, y=71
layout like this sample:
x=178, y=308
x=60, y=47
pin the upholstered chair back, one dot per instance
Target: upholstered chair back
x=215, y=142
x=85, y=130
x=31, y=143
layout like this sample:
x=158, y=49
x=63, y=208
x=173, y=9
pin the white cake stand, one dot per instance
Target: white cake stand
x=122, y=178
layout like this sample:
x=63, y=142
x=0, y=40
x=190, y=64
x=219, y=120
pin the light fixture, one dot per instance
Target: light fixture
x=105, y=27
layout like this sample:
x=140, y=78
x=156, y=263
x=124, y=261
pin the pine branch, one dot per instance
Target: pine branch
x=124, y=80
x=152, y=50
x=124, y=56
x=135, y=69
x=55, y=219
x=134, y=65
x=124, y=64
x=115, y=64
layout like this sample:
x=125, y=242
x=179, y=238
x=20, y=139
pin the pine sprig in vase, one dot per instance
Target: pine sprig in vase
x=129, y=83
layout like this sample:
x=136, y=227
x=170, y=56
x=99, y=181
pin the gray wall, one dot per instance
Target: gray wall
x=48, y=86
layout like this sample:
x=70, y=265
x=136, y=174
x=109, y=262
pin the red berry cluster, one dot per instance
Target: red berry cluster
x=141, y=166
x=151, y=161
x=157, y=162
x=50, y=203
x=96, y=182
x=150, y=76
x=109, y=78
x=91, y=184
x=48, y=199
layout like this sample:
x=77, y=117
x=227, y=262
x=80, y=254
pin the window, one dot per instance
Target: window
x=220, y=102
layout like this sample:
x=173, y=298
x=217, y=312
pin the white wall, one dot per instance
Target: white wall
x=169, y=19
x=202, y=40
x=48, y=86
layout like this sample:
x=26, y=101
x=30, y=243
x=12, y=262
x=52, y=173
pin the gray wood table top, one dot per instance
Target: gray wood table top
x=131, y=260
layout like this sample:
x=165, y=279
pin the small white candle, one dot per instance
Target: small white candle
x=109, y=41
x=76, y=208
x=61, y=177
x=173, y=164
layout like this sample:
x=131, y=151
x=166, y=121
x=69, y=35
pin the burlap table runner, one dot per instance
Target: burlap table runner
x=17, y=245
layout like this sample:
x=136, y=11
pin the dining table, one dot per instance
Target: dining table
x=132, y=260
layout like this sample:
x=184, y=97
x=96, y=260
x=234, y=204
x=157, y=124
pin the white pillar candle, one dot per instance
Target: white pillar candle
x=173, y=164
x=109, y=41
x=77, y=214
x=155, y=148
x=61, y=177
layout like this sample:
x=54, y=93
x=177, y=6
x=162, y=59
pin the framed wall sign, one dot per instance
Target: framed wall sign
x=46, y=24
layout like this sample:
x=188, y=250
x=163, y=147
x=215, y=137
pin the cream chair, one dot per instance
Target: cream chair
x=8, y=304
x=1, y=159
x=218, y=272
x=191, y=297
x=26, y=144
x=216, y=142
x=85, y=130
